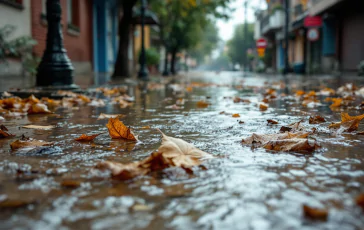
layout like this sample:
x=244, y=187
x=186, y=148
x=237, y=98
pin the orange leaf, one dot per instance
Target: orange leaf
x=263, y=107
x=236, y=115
x=315, y=213
x=85, y=137
x=38, y=108
x=4, y=132
x=316, y=120
x=118, y=130
x=336, y=102
x=202, y=104
x=348, y=123
x=300, y=93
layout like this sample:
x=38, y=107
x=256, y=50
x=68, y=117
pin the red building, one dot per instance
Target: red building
x=77, y=33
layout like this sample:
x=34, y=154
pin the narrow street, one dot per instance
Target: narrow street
x=242, y=187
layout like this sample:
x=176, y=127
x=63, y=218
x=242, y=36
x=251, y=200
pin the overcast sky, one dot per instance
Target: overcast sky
x=226, y=28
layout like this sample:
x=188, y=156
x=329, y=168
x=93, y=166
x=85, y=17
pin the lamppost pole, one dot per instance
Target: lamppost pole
x=286, y=39
x=55, y=70
x=143, y=72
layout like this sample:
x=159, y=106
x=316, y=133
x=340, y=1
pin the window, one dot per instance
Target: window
x=14, y=3
x=73, y=14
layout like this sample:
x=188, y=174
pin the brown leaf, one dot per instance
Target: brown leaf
x=360, y=200
x=85, y=137
x=43, y=127
x=71, y=183
x=108, y=116
x=263, y=106
x=272, y=122
x=25, y=142
x=38, y=108
x=118, y=130
x=238, y=100
x=202, y=104
x=348, y=123
x=315, y=213
x=296, y=145
x=262, y=139
x=11, y=203
x=173, y=152
x=316, y=120
x=4, y=132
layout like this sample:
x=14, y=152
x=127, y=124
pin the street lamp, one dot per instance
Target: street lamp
x=143, y=72
x=55, y=70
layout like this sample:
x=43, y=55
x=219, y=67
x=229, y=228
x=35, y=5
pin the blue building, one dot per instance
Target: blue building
x=105, y=38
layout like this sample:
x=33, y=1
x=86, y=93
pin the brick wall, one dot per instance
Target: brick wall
x=78, y=46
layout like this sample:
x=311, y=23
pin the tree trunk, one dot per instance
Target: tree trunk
x=173, y=61
x=121, y=68
x=165, y=71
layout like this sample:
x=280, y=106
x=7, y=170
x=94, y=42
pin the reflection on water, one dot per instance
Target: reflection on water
x=242, y=188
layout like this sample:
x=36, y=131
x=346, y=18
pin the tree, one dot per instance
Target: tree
x=181, y=22
x=239, y=44
x=121, y=69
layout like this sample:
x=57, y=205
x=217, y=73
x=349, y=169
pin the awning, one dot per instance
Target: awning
x=150, y=17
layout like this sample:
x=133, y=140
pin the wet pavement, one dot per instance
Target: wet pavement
x=242, y=188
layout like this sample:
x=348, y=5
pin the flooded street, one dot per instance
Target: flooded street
x=241, y=188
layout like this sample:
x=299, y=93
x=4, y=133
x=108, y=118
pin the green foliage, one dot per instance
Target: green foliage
x=152, y=56
x=240, y=43
x=20, y=47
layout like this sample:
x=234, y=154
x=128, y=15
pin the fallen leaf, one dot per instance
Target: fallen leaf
x=71, y=183
x=348, y=123
x=140, y=208
x=241, y=122
x=235, y=115
x=180, y=101
x=43, y=127
x=336, y=102
x=4, y=132
x=97, y=103
x=27, y=142
x=238, y=100
x=11, y=203
x=108, y=116
x=263, y=106
x=272, y=122
x=327, y=92
x=296, y=145
x=360, y=200
x=315, y=213
x=262, y=139
x=173, y=152
x=202, y=104
x=38, y=108
x=316, y=120
x=118, y=130
x=85, y=137
x=360, y=133
x=146, y=127
x=300, y=93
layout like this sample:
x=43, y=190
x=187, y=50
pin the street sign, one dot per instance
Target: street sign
x=261, y=43
x=312, y=21
x=313, y=34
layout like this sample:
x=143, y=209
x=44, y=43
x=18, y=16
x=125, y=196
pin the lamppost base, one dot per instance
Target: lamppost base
x=46, y=91
x=143, y=74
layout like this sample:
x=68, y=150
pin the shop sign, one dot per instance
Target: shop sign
x=313, y=34
x=312, y=21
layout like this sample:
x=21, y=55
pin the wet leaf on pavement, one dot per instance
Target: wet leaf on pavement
x=202, y=104
x=38, y=108
x=4, y=132
x=14, y=203
x=108, y=116
x=43, y=127
x=315, y=213
x=27, y=142
x=360, y=201
x=272, y=122
x=316, y=120
x=263, y=106
x=85, y=137
x=235, y=115
x=348, y=123
x=70, y=183
x=173, y=152
x=118, y=130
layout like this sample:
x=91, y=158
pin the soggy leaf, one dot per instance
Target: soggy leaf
x=316, y=120
x=238, y=100
x=4, y=132
x=85, y=137
x=38, y=108
x=12, y=203
x=315, y=213
x=146, y=127
x=360, y=200
x=295, y=144
x=336, y=102
x=43, y=127
x=173, y=152
x=118, y=130
x=348, y=123
x=235, y=115
x=71, y=183
x=202, y=104
x=27, y=142
x=108, y=116
x=263, y=106
x=272, y=122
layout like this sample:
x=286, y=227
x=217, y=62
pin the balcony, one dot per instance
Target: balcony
x=273, y=22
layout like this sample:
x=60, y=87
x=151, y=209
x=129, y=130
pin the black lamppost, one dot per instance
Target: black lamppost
x=286, y=39
x=55, y=70
x=143, y=72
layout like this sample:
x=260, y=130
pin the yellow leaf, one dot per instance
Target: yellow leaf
x=118, y=130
